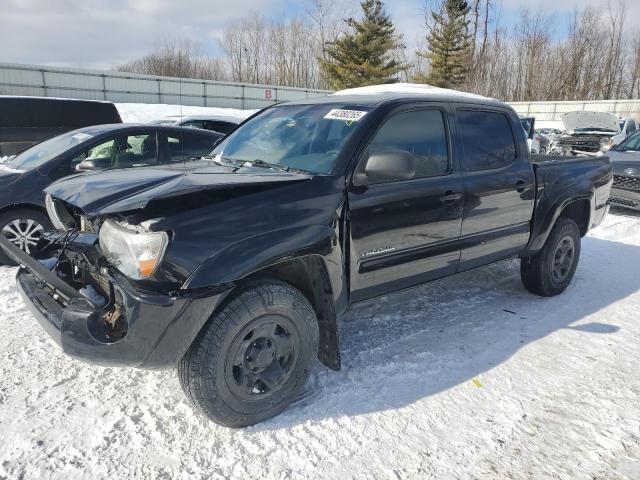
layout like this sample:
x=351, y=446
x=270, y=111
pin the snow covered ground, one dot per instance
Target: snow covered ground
x=146, y=112
x=471, y=377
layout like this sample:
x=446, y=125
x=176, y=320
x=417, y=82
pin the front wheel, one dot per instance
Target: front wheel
x=550, y=271
x=253, y=357
x=23, y=227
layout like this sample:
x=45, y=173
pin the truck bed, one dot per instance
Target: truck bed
x=559, y=178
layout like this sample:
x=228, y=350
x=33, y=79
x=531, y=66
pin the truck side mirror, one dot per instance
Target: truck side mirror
x=390, y=165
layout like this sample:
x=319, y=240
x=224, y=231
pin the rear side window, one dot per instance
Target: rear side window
x=421, y=133
x=219, y=126
x=487, y=138
x=186, y=145
x=195, y=146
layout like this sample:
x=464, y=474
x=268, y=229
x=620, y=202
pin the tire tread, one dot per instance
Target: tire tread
x=192, y=369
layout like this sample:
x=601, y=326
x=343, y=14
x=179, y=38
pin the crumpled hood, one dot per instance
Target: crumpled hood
x=124, y=190
x=590, y=120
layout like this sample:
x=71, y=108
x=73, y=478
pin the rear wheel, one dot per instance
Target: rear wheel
x=253, y=357
x=23, y=227
x=550, y=271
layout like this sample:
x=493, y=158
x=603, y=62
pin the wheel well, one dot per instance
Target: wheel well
x=24, y=206
x=310, y=276
x=580, y=212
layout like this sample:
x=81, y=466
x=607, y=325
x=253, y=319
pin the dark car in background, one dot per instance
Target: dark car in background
x=625, y=160
x=25, y=121
x=215, y=123
x=22, y=178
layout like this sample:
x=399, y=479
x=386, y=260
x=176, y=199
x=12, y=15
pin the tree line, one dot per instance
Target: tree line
x=337, y=44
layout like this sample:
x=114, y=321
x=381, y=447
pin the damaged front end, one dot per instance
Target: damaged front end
x=95, y=312
x=578, y=144
x=587, y=133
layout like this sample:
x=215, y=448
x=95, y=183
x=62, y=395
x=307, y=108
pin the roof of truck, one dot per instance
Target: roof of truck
x=379, y=98
x=377, y=94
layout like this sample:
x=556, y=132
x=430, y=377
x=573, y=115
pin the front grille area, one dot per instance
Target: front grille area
x=624, y=202
x=587, y=144
x=87, y=225
x=626, y=183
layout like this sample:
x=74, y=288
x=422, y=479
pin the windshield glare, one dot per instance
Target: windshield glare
x=43, y=152
x=304, y=137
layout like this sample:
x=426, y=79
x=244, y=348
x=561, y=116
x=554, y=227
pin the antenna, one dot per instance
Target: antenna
x=180, y=81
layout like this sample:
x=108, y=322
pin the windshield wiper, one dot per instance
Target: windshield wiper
x=224, y=161
x=262, y=164
x=259, y=163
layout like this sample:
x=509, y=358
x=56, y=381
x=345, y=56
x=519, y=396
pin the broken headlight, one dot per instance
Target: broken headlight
x=134, y=251
x=606, y=143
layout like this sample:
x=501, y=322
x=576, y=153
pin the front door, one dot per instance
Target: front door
x=405, y=232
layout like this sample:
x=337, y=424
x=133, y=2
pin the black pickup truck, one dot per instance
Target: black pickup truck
x=238, y=269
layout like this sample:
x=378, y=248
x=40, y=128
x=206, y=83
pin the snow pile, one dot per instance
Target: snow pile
x=147, y=112
x=468, y=378
x=411, y=88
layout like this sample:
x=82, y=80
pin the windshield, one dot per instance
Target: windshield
x=43, y=152
x=631, y=143
x=304, y=137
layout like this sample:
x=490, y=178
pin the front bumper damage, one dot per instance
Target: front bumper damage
x=134, y=328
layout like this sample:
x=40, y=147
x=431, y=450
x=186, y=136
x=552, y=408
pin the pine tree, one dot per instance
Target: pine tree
x=449, y=45
x=365, y=55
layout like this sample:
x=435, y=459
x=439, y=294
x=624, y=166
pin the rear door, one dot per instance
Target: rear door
x=498, y=185
x=405, y=232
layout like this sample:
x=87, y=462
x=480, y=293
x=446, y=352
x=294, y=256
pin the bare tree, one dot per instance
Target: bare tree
x=177, y=57
x=634, y=69
x=525, y=63
x=597, y=58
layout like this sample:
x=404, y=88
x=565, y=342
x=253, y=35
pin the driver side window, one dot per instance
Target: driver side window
x=422, y=134
x=102, y=155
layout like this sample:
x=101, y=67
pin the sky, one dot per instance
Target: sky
x=105, y=33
